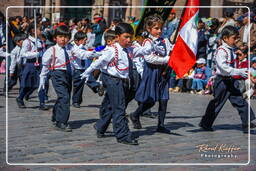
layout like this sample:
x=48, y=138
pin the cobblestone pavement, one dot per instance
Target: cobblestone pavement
x=32, y=139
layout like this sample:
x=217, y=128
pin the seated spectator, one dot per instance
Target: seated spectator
x=199, y=77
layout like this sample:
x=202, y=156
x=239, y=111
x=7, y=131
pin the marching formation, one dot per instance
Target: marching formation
x=115, y=64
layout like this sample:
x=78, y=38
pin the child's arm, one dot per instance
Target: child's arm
x=46, y=62
x=224, y=67
x=104, y=60
x=84, y=54
x=13, y=60
x=26, y=51
x=139, y=50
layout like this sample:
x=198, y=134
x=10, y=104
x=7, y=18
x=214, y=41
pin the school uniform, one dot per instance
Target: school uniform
x=225, y=87
x=79, y=65
x=15, y=67
x=116, y=67
x=153, y=86
x=57, y=61
x=29, y=67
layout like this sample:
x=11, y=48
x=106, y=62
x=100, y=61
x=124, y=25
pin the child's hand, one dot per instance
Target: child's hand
x=85, y=75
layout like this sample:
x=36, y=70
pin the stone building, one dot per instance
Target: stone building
x=55, y=12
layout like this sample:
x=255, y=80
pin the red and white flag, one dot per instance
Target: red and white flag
x=183, y=56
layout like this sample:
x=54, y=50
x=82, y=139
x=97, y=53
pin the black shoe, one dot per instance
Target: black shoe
x=54, y=123
x=99, y=135
x=136, y=122
x=26, y=98
x=43, y=107
x=63, y=127
x=205, y=128
x=20, y=103
x=162, y=129
x=149, y=115
x=128, y=142
x=76, y=105
x=101, y=91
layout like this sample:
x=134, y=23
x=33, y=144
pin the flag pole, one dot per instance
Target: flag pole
x=35, y=28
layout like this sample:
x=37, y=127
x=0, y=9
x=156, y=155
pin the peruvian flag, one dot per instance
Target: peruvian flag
x=183, y=56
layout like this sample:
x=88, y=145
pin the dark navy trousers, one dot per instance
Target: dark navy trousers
x=78, y=86
x=226, y=89
x=62, y=83
x=113, y=107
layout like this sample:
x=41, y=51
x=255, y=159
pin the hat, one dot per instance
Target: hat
x=173, y=11
x=201, y=61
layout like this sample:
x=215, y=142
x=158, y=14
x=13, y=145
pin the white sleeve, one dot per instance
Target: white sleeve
x=26, y=52
x=223, y=66
x=157, y=60
x=81, y=53
x=104, y=60
x=139, y=51
x=46, y=61
x=13, y=60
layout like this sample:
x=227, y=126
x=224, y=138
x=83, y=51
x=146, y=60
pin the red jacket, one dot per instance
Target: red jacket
x=241, y=64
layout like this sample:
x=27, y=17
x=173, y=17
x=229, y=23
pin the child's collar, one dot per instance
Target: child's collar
x=33, y=39
x=152, y=37
x=226, y=45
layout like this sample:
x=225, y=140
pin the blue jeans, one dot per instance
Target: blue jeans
x=198, y=84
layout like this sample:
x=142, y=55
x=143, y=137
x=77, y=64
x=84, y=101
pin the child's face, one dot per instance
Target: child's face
x=62, y=40
x=156, y=30
x=81, y=42
x=231, y=40
x=254, y=64
x=19, y=43
x=125, y=39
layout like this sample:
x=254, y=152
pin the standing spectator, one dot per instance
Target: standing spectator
x=98, y=29
x=228, y=20
x=90, y=38
x=202, y=40
x=246, y=29
x=212, y=38
x=170, y=25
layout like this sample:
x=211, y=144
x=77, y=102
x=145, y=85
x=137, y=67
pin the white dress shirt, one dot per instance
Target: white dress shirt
x=15, y=58
x=121, y=68
x=29, y=49
x=223, y=60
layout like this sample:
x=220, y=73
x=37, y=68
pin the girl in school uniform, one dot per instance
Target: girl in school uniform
x=153, y=86
x=31, y=54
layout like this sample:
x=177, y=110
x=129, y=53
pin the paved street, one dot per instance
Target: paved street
x=32, y=138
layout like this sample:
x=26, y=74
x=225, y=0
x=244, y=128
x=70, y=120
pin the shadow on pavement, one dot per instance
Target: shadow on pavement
x=79, y=123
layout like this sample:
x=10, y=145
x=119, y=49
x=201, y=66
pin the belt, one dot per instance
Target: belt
x=126, y=80
x=225, y=77
x=31, y=60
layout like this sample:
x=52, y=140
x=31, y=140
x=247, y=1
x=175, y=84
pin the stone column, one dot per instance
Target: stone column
x=106, y=10
x=128, y=10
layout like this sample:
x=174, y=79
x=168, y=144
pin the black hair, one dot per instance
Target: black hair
x=74, y=20
x=244, y=50
x=215, y=22
x=79, y=35
x=151, y=21
x=19, y=36
x=229, y=13
x=123, y=28
x=229, y=31
x=62, y=30
x=117, y=20
x=109, y=35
